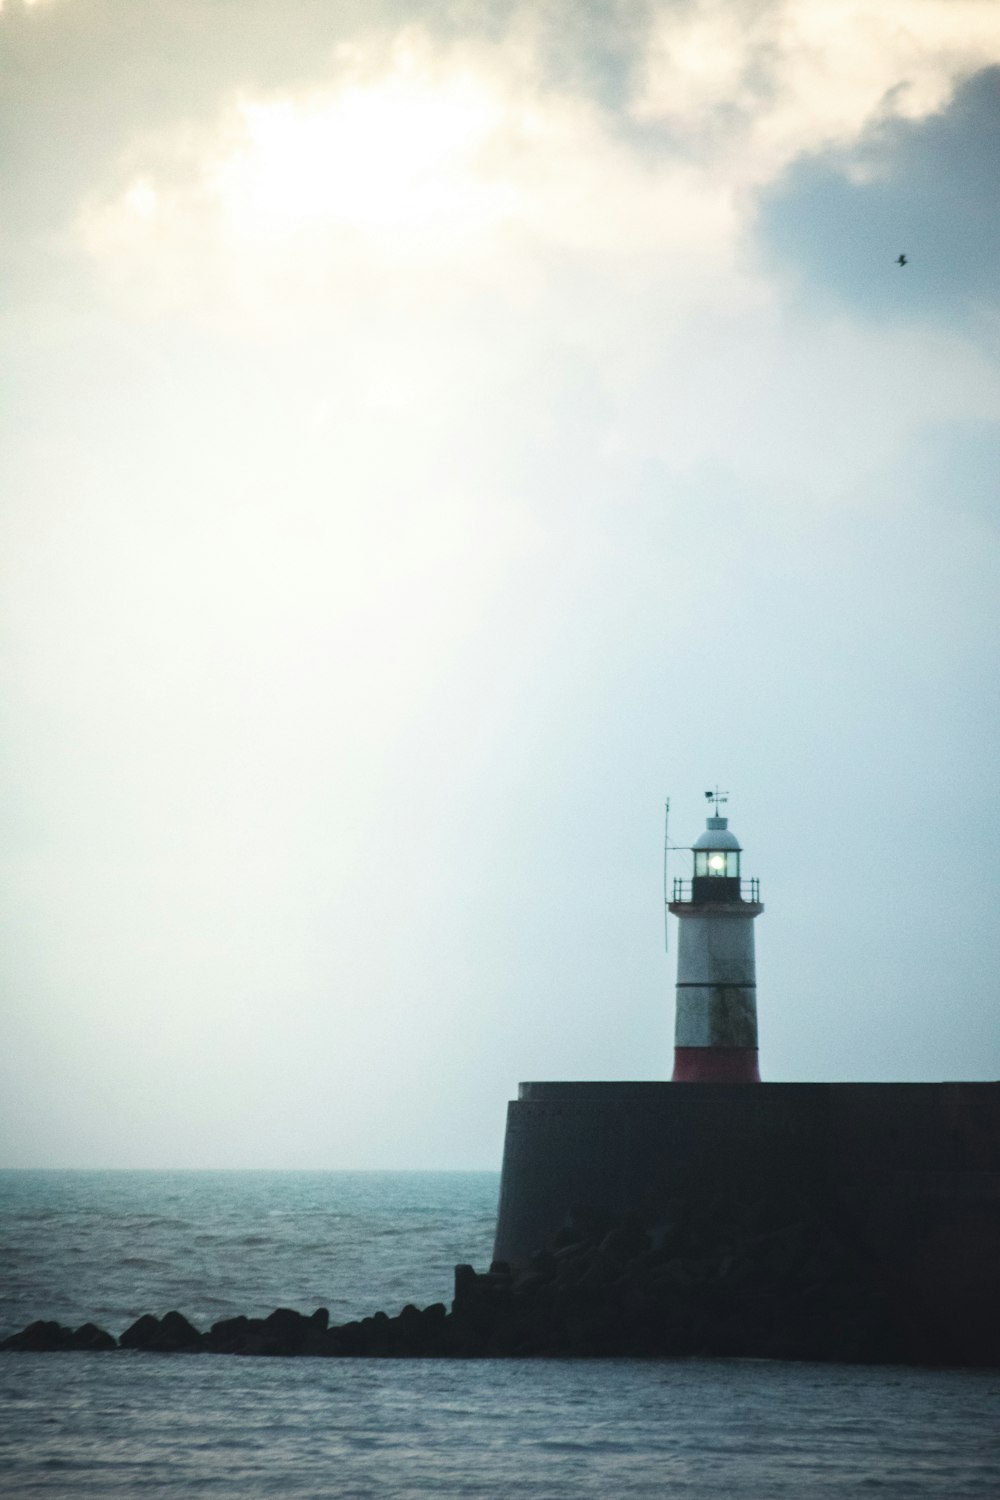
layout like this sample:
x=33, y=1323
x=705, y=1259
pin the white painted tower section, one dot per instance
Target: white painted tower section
x=716, y=981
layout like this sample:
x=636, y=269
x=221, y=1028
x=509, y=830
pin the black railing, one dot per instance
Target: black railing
x=749, y=890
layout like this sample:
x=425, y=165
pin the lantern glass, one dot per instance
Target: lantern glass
x=718, y=862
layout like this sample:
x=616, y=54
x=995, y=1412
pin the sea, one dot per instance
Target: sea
x=107, y=1246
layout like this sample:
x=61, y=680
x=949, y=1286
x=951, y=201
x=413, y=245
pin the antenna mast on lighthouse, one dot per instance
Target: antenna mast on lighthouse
x=666, y=888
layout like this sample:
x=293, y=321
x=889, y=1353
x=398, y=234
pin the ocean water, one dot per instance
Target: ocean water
x=107, y=1246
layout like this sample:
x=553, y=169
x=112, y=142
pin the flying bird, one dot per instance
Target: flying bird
x=901, y=260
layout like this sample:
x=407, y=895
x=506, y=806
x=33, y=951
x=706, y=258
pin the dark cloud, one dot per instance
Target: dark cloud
x=928, y=188
x=597, y=54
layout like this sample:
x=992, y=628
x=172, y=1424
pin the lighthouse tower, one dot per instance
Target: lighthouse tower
x=716, y=1027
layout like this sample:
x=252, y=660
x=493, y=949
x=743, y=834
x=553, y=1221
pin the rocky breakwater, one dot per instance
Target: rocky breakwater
x=712, y=1278
x=762, y=1279
x=414, y=1332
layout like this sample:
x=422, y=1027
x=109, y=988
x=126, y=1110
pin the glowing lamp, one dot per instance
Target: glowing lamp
x=717, y=862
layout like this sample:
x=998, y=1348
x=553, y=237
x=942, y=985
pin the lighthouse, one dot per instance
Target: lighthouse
x=715, y=1038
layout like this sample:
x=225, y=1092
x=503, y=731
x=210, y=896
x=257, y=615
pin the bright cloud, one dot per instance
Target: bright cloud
x=418, y=156
x=757, y=87
x=396, y=155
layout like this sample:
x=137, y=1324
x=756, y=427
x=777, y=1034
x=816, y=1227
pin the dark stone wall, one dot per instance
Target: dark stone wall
x=630, y=1147
x=910, y=1172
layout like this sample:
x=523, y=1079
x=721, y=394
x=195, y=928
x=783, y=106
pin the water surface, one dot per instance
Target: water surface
x=109, y=1245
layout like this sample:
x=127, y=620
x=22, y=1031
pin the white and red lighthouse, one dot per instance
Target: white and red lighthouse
x=715, y=1038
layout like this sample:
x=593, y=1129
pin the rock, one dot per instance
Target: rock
x=466, y=1280
x=89, y=1336
x=283, y=1332
x=171, y=1334
x=140, y=1334
x=592, y=1223
x=317, y=1333
x=567, y=1238
x=350, y=1340
x=625, y=1241
x=416, y=1332
x=602, y=1269
x=543, y=1261
x=228, y=1336
x=528, y=1283
x=40, y=1337
x=177, y=1335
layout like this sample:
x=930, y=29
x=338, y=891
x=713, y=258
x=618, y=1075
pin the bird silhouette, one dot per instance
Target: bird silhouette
x=901, y=260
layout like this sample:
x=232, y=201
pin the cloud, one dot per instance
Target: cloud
x=754, y=87
x=496, y=152
x=928, y=187
x=410, y=158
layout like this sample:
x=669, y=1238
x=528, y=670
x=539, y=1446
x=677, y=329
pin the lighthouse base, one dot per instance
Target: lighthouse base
x=715, y=1065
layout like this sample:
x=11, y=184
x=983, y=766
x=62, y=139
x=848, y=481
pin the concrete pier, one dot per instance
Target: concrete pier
x=909, y=1172
x=632, y=1146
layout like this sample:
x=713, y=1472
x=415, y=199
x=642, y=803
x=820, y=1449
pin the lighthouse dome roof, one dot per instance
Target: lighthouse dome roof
x=717, y=836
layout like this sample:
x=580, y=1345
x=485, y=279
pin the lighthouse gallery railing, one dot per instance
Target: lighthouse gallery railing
x=749, y=890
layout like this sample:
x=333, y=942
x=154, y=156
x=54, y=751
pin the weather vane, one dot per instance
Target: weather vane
x=718, y=798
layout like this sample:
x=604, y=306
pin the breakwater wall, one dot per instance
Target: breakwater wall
x=908, y=1174
x=851, y=1222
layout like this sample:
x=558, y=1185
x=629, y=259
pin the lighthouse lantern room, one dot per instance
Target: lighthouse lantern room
x=716, y=1025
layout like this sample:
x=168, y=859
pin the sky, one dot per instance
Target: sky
x=432, y=435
